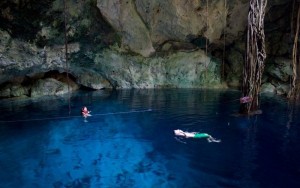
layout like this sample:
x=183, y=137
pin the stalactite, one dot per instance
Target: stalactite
x=255, y=56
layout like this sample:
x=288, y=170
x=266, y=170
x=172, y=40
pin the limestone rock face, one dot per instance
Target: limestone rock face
x=145, y=23
x=280, y=69
x=124, y=18
x=267, y=88
x=178, y=70
x=13, y=90
x=234, y=68
x=136, y=44
x=90, y=78
x=18, y=58
x=48, y=86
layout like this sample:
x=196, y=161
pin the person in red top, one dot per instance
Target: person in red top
x=84, y=111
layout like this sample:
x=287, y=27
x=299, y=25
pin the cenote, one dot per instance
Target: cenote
x=129, y=141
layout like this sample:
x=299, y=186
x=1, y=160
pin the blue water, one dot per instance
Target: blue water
x=129, y=141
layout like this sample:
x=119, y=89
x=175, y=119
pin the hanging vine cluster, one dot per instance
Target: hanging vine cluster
x=295, y=84
x=255, y=57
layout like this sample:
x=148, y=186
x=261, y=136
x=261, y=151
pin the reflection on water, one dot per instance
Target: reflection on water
x=129, y=141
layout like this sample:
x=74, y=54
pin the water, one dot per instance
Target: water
x=129, y=141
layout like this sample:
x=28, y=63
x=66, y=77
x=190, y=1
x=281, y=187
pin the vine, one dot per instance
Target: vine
x=66, y=52
x=224, y=42
x=295, y=85
x=206, y=41
x=255, y=56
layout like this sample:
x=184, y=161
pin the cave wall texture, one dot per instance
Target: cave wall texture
x=136, y=44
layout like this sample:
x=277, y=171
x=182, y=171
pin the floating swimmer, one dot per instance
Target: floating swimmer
x=209, y=138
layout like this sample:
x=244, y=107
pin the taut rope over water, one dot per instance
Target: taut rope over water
x=77, y=116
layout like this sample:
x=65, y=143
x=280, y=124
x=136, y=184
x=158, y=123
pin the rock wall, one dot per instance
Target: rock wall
x=136, y=44
x=146, y=23
x=177, y=70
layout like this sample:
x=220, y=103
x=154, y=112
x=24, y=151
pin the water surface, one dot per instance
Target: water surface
x=129, y=141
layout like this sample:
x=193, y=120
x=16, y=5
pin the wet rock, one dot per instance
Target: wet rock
x=91, y=79
x=48, y=86
x=282, y=89
x=177, y=70
x=267, y=88
x=280, y=69
x=234, y=68
x=13, y=90
x=5, y=92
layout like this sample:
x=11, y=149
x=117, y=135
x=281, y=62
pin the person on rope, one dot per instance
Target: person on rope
x=85, y=112
x=185, y=134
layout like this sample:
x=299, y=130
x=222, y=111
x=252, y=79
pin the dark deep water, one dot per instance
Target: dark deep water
x=129, y=141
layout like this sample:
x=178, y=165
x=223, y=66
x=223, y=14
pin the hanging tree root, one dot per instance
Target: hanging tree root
x=224, y=39
x=296, y=95
x=255, y=57
x=295, y=85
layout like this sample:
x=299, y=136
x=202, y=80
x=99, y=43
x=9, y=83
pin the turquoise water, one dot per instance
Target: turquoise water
x=129, y=141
